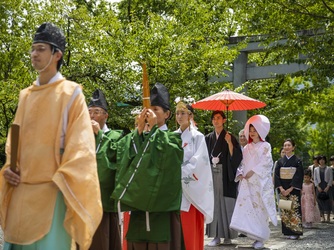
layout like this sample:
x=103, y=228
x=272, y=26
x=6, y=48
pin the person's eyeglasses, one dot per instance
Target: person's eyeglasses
x=39, y=49
x=96, y=112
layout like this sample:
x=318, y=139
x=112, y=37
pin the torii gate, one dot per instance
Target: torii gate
x=242, y=71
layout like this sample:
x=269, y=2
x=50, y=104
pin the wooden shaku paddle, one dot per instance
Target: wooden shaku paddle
x=15, y=135
x=146, y=88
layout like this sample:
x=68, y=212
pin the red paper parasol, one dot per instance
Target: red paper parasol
x=228, y=100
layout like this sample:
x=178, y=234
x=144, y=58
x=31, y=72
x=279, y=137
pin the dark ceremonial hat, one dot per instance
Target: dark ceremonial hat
x=51, y=34
x=98, y=100
x=160, y=96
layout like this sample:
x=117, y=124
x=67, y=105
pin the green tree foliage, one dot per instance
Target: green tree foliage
x=185, y=44
x=307, y=25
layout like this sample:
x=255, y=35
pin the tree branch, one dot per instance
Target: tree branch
x=327, y=6
x=301, y=12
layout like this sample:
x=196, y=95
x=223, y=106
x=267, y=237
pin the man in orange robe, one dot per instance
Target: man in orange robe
x=53, y=197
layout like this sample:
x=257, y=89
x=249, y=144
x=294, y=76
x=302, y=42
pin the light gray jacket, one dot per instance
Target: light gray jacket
x=328, y=176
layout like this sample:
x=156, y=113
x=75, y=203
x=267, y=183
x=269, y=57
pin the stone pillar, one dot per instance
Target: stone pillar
x=240, y=77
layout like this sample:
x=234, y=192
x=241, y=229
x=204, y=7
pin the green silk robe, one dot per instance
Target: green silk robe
x=106, y=165
x=149, y=179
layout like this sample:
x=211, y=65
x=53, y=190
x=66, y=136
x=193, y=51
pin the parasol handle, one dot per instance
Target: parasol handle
x=146, y=89
x=227, y=118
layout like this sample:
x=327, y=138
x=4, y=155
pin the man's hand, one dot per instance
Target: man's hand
x=151, y=118
x=146, y=120
x=96, y=127
x=11, y=177
x=228, y=138
x=141, y=119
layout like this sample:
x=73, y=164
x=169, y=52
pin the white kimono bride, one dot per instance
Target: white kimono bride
x=255, y=203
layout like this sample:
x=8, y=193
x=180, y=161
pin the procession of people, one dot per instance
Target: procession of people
x=74, y=176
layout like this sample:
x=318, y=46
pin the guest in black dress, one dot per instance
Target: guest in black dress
x=289, y=176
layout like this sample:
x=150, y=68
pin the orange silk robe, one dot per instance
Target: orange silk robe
x=26, y=211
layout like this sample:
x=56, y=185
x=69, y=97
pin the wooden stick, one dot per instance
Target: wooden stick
x=146, y=88
x=15, y=135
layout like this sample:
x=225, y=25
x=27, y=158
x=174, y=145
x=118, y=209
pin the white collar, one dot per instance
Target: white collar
x=289, y=156
x=164, y=127
x=105, y=128
x=55, y=78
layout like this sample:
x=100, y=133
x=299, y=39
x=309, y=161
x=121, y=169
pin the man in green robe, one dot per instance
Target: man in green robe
x=148, y=181
x=108, y=234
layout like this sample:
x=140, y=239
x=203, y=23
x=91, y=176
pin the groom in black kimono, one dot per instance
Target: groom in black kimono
x=225, y=156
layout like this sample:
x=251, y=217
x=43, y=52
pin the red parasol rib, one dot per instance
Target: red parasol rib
x=228, y=100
